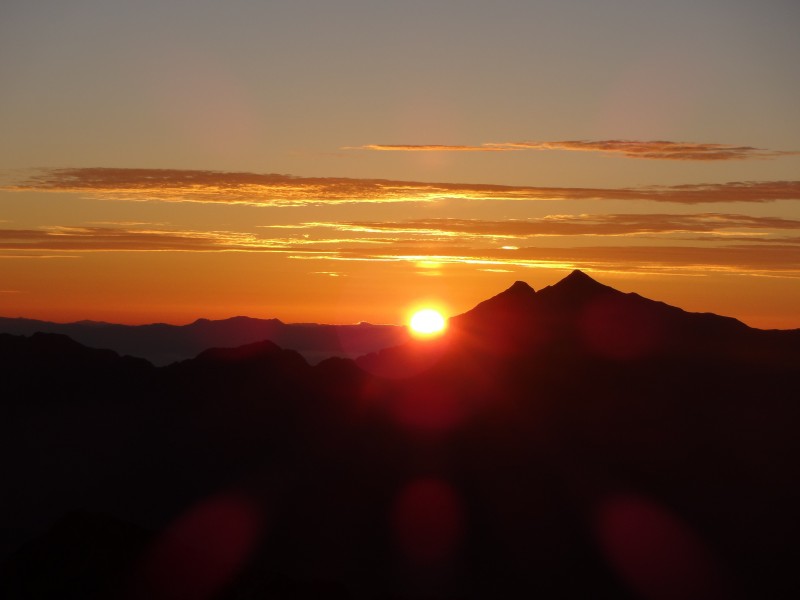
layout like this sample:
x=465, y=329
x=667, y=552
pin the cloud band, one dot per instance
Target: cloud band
x=170, y=185
x=653, y=150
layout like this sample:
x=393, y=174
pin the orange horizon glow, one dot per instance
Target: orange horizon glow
x=187, y=178
x=219, y=286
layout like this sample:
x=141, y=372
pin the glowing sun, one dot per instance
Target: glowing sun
x=427, y=322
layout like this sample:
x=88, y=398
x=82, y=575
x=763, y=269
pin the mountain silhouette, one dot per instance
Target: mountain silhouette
x=572, y=442
x=49, y=367
x=581, y=315
x=514, y=302
x=163, y=344
x=577, y=286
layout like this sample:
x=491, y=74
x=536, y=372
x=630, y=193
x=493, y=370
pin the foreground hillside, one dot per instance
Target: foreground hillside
x=572, y=442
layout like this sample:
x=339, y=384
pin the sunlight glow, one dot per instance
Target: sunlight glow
x=427, y=322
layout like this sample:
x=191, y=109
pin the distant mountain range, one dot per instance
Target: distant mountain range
x=163, y=344
x=603, y=318
x=573, y=442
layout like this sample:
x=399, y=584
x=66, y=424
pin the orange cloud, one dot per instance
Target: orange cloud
x=430, y=148
x=171, y=185
x=110, y=239
x=774, y=260
x=114, y=239
x=654, y=150
x=567, y=225
x=687, y=244
x=461, y=245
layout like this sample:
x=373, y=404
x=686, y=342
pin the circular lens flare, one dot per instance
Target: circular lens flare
x=427, y=322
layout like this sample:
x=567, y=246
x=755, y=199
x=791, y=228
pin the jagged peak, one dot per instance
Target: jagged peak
x=515, y=299
x=520, y=287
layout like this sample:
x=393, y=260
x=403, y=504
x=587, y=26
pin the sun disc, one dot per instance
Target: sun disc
x=427, y=322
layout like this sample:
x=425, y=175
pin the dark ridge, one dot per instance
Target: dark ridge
x=248, y=352
x=54, y=367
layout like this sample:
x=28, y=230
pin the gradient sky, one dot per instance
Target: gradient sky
x=345, y=161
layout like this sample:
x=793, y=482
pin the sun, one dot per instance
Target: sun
x=427, y=322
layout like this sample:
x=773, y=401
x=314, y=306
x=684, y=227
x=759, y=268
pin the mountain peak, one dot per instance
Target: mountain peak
x=520, y=293
x=520, y=287
x=577, y=274
x=511, y=303
x=580, y=282
x=575, y=289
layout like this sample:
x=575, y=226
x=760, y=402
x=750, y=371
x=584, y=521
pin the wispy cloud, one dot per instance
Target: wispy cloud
x=653, y=243
x=110, y=239
x=739, y=243
x=569, y=225
x=777, y=260
x=285, y=190
x=74, y=239
x=431, y=148
x=654, y=150
x=25, y=255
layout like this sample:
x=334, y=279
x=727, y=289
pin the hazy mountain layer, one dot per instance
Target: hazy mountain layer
x=163, y=344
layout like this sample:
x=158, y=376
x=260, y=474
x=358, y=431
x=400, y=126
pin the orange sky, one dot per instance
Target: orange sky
x=116, y=246
x=339, y=164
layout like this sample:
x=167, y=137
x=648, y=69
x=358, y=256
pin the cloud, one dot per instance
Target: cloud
x=429, y=148
x=171, y=185
x=111, y=239
x=106, y=239
x=778, y=260
x=688, y=244
x=25, y=255
x=569, y=225
x=654, y=150
x=465, y=243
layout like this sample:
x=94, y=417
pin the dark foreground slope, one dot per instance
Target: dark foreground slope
x=574, y=442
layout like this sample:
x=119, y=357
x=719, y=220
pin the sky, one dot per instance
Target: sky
x=309, y=160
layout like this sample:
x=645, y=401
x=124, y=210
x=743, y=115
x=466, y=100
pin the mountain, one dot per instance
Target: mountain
x=572, y=442
x=162, y=344
x=581, y=315
x=47, y=367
